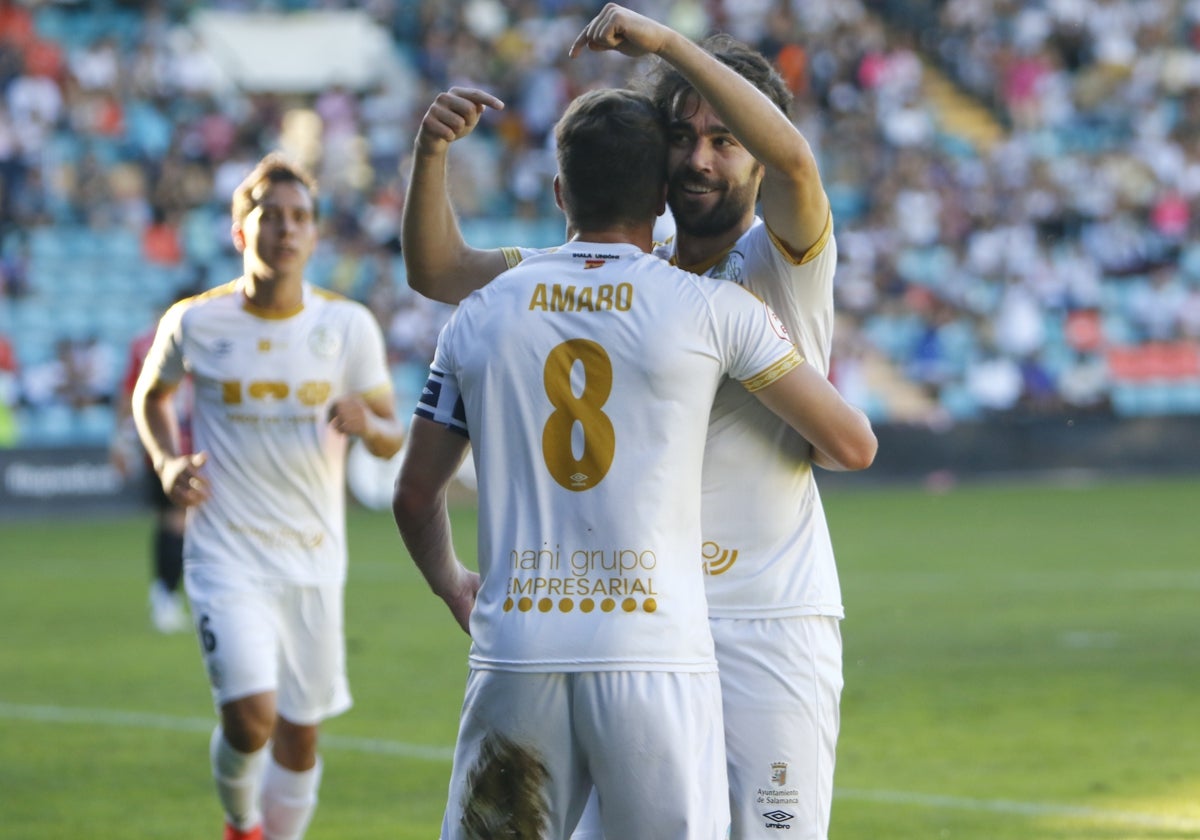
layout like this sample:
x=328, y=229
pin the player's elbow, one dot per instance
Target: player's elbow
x=421, y=280
x=413, y=499
x=853, y=447
x=859, y=448
x=861, y=454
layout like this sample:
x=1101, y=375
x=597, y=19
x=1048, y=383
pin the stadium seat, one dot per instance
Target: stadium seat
x=94, y=424
x=959, y=403
x=51, y=425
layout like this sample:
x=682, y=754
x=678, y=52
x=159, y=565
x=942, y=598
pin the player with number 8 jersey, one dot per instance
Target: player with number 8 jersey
x=584, y=378
x=628, y=351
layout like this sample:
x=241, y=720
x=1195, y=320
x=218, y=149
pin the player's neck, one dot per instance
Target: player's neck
x=641, y=237
x=279, y=295
x=696, y=250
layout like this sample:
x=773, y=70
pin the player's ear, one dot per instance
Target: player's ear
x=238, y=237
x=558, y=194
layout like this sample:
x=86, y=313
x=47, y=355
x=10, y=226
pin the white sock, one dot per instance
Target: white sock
x=288, y=800
x=239, y=780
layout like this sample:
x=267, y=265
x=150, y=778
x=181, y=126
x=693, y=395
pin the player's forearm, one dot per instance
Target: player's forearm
x=384, y=437
x=840, y=434
x=157, y=427
x=424, y=526
x=766, y=132
x=850, y=445
x=430, y=239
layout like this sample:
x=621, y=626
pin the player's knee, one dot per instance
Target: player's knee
x=295, y=745
x=249, y=722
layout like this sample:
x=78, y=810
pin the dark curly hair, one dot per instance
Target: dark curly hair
x=667, y=87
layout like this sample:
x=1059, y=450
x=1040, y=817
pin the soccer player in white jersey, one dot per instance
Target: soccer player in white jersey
x=283, y=373
x=774, y=596
x=584, y=378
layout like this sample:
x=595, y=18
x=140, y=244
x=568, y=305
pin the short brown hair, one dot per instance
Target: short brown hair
x=612, y=159
x=275, y=168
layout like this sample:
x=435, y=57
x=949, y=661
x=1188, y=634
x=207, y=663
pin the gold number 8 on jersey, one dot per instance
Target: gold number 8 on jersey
x=599, y=437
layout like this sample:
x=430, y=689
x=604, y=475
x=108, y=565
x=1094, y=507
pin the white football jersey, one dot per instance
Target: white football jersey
x=766, y=541
x=263, y=388
x=586, y=375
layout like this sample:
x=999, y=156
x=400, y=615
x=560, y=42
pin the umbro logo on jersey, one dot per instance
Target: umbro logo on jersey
x=778, y=819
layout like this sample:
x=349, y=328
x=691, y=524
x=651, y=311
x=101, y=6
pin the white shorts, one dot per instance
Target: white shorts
x=651, y=742
x=781, y=685
x=258, y=636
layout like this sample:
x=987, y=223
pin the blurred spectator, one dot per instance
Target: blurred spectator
x=81, y=373
x=160, y=240
x=14, y=267
x=949, y=244
x=1155, y=306
x=9, y=393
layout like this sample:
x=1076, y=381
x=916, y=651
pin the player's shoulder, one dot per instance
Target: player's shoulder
x=335, y=302
x=208, y=300
x=760, y=232
x=664, y=249
x=328, y=297
x=515, y=255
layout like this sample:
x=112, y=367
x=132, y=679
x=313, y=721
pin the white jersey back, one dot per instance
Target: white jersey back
x=263, y=387
x=766, y=541
x=586, y=376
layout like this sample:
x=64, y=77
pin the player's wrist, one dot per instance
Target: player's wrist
x=158, y=462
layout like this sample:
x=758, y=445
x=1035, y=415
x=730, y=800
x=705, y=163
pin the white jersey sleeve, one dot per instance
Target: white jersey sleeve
x=367, y=371
x=165, y=360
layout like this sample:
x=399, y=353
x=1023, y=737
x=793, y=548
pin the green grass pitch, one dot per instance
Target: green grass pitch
x=1022, y=663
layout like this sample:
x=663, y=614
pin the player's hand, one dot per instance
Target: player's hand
x=350, y=416
x=618, y=28
x=461, y=600
x=452, y=116
x=183, y=481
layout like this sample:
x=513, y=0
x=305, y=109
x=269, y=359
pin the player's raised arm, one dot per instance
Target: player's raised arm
x=439, y=262
x=793, y=199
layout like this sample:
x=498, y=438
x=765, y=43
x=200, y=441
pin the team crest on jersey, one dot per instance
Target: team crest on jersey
x=779, y=773
x=324, y=342
x=776, y=324
x=730, y=267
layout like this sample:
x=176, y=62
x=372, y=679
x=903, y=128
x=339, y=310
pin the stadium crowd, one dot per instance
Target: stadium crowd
x=1050, y=268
